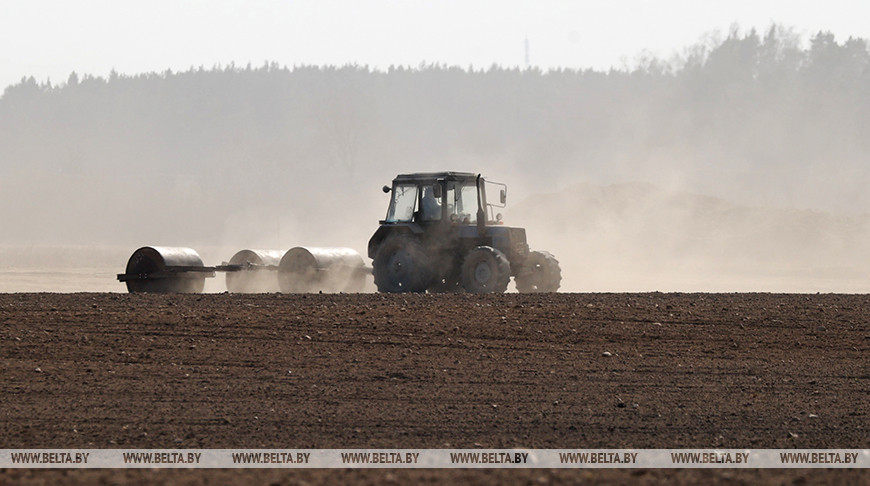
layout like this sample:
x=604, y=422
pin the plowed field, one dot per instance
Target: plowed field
x=435, y=371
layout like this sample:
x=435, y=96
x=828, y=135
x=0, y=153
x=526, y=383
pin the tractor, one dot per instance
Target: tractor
x=440, y=234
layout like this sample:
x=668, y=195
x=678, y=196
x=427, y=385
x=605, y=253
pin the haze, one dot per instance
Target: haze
x=711, y=157
x=49, y=39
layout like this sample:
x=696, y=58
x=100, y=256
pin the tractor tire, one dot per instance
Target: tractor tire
x=485, y=270
x=402, y=265
x=541, y=273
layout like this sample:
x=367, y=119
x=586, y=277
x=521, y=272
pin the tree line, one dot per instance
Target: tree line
x=730, y=115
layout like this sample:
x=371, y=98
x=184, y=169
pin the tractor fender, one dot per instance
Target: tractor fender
x=386, y=230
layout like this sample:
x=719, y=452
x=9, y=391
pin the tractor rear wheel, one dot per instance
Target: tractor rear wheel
x=540, y=273
x=402, y=265
x=485, y=270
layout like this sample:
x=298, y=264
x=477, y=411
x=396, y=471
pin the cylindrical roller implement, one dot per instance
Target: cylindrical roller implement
x=162, y=269
x=310, y=269
x=253, y=271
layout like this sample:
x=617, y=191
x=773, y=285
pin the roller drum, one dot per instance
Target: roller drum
x=162, y=269
x=311, y=269
x=254, y=277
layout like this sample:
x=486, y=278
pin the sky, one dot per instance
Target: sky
x=49, y=39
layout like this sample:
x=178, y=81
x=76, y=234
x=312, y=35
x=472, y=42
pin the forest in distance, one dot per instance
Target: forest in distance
x=763, y=124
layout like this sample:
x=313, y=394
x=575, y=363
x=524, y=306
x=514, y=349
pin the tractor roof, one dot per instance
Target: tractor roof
x=434, y=176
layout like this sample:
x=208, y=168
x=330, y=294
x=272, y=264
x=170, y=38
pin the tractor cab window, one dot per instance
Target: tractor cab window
x=431, y=205
x=403, y=205
x=462, y=202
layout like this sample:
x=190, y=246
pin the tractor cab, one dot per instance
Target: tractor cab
x=447, y=197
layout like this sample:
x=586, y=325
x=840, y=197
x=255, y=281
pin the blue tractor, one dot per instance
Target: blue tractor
x=442, y=234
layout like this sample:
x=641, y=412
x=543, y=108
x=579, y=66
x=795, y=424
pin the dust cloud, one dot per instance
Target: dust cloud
x=639, y=237
x=737, y=165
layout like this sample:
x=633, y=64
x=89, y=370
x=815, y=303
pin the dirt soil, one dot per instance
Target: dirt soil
x=435, y=371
